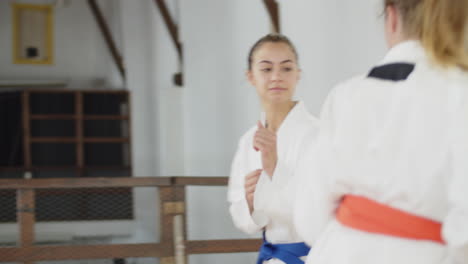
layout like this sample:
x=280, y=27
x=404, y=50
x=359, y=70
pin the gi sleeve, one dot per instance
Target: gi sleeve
x=239, y=208
x=316, y=200
x=455, y=225
x=276, y=198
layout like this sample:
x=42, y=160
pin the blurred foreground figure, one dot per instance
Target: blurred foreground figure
x=392, y=151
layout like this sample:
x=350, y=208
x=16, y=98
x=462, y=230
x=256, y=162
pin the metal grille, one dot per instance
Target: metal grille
x=84, y=204
x=8, y=205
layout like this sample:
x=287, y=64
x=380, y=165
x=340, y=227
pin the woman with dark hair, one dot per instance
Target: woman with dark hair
x=262, y=181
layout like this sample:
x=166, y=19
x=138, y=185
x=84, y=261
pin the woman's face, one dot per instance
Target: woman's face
x=274, y=72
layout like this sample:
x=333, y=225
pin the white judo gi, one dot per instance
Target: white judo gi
x=402, y=143
x=273, y=198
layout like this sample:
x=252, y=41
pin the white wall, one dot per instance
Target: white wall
x=335, y=39
x=157, y=105
x=219, y=107
x=81, y=57
x=167, y=98
x=135, y=19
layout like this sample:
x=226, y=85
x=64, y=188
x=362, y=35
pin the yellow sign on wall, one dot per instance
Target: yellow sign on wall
x=32, y=34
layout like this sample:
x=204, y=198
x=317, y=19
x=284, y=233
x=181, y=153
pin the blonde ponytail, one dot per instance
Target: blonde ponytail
x=441, y=25
x=444, y=31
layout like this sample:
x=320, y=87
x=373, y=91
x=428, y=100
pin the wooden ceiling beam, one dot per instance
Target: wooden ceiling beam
x=171, y=26
x=107, y=36
x=174, y=33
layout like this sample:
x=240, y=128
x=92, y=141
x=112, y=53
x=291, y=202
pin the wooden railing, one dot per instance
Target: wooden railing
x=172, y=203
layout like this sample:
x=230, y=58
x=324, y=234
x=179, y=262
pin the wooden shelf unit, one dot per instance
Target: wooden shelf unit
x=51, y=133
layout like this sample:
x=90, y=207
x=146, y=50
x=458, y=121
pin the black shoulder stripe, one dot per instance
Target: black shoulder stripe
x=392, y=72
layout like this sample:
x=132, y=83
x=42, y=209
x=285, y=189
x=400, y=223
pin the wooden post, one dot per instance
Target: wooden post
x=79, y=133
x=172, y=201
x=26, y=131
x=179, y=239
x=25, y=207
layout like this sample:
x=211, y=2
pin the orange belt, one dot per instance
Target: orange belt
x=361, y=213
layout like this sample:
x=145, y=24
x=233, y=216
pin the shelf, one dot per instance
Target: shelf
x=17, y=169
x=34, y=83
x=83, y=91
x=53, y=117
x=53, y=128
x=90, y=168
x=84, y=191
x=54, y=140
x=60, y=133
x=56, y=168
x=73, y=117
x=53, y=168
x=75, y=140
x=106, y=140
x=106, y=117
x=68, y=130
x=49, y=91
x=52, y=103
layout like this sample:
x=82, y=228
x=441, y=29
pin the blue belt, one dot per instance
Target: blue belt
x=288, y=253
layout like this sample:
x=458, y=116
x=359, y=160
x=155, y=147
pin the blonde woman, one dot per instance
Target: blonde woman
x=392, y=152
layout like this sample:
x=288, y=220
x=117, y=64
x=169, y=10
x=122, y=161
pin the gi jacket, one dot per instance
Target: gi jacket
x=399, y=136
x=273, y=198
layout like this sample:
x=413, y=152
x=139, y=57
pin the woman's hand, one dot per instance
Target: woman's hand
x=250, y=184
x=265, y=141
